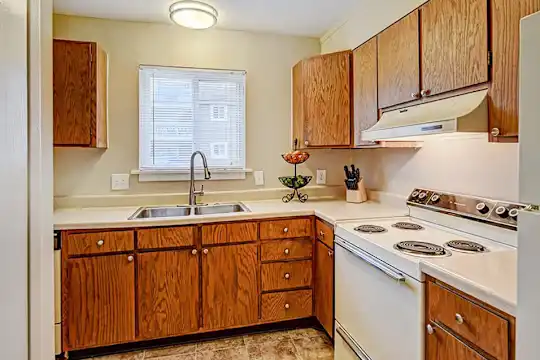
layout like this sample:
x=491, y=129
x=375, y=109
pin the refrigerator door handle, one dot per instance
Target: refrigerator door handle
x=370, y=260
x=351, y=343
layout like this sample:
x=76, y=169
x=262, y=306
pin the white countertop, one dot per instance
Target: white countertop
x=489, y=277
x=329, y=210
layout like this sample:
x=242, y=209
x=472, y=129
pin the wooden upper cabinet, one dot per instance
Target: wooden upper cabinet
x=79, y=94
x=454, y=44
x=365, y=101
x=441, y=345
x=99, y=301
x=229, y=286
x=168, y=293
x=324, y=286
x=503, y=99
x=399, y=62
x=322, y=101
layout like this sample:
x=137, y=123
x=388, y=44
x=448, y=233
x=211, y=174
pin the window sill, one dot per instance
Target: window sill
x=184, y=175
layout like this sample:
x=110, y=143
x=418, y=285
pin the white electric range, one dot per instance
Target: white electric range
x=379, y=288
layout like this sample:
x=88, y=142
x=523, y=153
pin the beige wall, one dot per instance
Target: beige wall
x=470, y=165
x=266, y=58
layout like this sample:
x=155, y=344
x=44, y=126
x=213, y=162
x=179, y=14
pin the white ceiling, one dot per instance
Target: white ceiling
x=296, y=17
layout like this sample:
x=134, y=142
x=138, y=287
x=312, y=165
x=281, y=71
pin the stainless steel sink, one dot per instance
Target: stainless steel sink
x=220, y=209
x=158, y=212
x=179, y=211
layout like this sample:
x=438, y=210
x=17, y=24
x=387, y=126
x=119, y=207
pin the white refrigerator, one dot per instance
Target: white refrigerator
x=528, y=314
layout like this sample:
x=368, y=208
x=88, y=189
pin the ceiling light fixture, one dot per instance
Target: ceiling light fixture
x=193, y=14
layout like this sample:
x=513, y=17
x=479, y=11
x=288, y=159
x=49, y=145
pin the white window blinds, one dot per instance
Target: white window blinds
x=182, y=110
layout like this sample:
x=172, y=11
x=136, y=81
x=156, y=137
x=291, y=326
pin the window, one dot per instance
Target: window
x=182, y=110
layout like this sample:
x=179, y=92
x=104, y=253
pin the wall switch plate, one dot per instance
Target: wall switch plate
x=259, y=177
x=321, y=177
x=120, y=181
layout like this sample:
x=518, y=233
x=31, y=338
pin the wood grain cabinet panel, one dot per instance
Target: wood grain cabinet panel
x=399, y=62
x=282, y=229
x=288, y=275
x=100, y=242
x=324, y=286
x=504, y=90
x=160, y=238
x=286, y=250
x=365, y=104
x=454, y=44
x=229, y=286
x=441, y=345
x=99, y=301
x=472, y=322
x=79, y=94
x=167, y=293
x=286, y=305
x=324, y=233
x=229, y=233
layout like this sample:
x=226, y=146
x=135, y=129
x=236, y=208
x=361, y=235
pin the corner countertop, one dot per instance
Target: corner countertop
x=489, y=277
x=327, y=209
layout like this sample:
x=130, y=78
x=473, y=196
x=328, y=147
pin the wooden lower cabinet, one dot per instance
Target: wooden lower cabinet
x=324, y=286
x=441, y=345
x=168, y=293
x=99, y=301
x=229, y=286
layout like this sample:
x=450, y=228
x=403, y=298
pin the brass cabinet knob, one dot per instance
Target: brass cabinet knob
x=287, y=276
x=130, y=258
x=430, y=329
x=495, y=132
x=286, y=252
x=205, y=251
x=100, y=243
x=425, y=93
x=415, y=95
x=330, y=253
x=194, y=251
x=306, y=143
x=286, y=230
x=459, y=319
x=287, y=306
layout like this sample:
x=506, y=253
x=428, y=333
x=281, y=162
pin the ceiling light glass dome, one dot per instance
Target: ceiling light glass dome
x=193, y=14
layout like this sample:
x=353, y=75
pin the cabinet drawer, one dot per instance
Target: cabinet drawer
x=166, y=237
x=229, y=233
x=324, y=233
x=100, y=242
x=290, y=275
x=282, y=229
x=286, y=305
x=472, y=322
x=286, y=250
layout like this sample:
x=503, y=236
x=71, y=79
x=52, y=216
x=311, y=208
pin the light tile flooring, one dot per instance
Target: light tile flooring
x=299, y=344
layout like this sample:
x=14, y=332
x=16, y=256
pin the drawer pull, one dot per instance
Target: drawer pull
x=100, y=243
x=287, y=276
x=286, y=252
x=130, y=258
x=286, y=230
x=287, y=306
x=194, y=251
x=459, y=319
x=205, y=251
x=430, y=329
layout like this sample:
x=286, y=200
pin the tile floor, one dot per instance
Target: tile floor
x=299, y=344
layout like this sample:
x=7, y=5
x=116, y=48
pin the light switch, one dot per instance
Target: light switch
x=259, y=177
x=321, y=177
x=120, y=181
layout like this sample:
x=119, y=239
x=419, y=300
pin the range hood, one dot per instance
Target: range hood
x=460, y=114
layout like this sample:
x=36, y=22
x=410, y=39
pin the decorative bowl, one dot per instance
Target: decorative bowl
x=295, y=182
x=295, y=157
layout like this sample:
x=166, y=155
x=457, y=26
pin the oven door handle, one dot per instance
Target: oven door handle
x=371, y=260
x=351, y=343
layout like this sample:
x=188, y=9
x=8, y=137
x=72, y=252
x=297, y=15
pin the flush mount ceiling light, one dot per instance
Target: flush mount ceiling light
x=193, y=14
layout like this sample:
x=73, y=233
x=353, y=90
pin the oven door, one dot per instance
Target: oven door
x=378, y=309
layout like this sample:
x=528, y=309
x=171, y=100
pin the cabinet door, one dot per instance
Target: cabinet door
x=74, y=92
x=229, y=285
x=454, y=44
x=399, y=62
x=327, y=113
x=168, y=293
x=99, y=301
x=441, y=345
x=504, y=100
x=324, y=286
x=365, y=88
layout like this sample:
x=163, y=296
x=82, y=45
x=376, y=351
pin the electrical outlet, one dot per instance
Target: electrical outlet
x=120, y=181
x=321, y=177
x=259, y=177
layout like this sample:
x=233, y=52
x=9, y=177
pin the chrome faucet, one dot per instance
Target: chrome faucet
x=192, y=192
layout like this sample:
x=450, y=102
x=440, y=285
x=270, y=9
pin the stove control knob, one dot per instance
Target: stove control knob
x=415, y=194
x=502, y=212
x=514, y=213
x=482, y=208
x=422, y=196
x=435, y=198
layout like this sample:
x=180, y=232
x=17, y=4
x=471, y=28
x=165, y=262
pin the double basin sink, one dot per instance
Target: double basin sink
x=185, y=210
